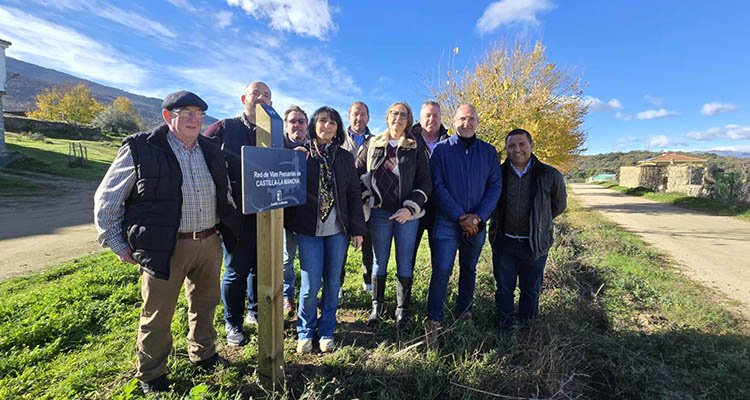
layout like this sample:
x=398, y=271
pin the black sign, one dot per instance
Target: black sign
x=272, y=178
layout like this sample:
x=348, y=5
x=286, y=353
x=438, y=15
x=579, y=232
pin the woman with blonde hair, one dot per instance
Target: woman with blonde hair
x=395, y=172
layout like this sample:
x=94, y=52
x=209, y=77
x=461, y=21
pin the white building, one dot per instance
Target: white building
x=3, y=45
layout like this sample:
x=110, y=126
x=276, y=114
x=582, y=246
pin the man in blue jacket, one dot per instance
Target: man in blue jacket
x=467, y=183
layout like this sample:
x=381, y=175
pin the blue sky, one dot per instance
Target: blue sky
x=658, y=74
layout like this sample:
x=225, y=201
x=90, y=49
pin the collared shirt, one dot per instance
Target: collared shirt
x=198, y=193
x=525, y=170
x=357, y=137
x=198, y=189
x=431, y=145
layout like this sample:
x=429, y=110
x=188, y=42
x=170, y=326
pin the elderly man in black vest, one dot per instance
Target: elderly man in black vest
x=521, y=227
x=161, y=206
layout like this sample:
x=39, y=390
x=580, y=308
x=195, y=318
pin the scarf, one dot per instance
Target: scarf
x=323, y=154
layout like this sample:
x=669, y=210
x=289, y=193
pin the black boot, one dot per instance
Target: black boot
x=403, y=301
x=378, y=302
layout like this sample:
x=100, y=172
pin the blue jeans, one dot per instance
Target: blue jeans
x=290, y=251
x=320, y=261
x=447, y=239
x=238, y=282
x=383, y=232
x=512, y=260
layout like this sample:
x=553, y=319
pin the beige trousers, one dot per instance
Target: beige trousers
x=197, y=263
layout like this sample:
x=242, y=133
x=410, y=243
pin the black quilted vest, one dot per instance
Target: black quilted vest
x=153, y=210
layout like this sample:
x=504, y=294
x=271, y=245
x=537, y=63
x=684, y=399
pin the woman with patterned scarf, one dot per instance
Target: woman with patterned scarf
x=332, y=215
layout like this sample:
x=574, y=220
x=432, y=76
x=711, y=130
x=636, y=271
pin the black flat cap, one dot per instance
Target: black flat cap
x=183, y=98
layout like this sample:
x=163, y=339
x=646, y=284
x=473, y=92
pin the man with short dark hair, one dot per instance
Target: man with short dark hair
x=159, y=206
x=521, y=230
x=295, y=128
x=466, y=184
x=357, y=136
x=240, y=267
x=429, y=131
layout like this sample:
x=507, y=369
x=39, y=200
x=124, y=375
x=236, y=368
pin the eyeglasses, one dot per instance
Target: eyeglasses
x=297, y=121
x=187, y=113
x=398, y=114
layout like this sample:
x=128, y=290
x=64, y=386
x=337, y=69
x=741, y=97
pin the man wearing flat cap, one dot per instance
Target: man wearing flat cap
x=161, y=205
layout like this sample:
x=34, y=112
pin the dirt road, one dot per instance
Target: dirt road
x=47, y=228
x=711, y=249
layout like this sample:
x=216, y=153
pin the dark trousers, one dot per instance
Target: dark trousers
x=425, y=225
x=447, y=239
x=239, y=281
x=513, y=261
x=366, y=260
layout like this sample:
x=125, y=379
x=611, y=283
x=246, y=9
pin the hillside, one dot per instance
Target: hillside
x=587, y=166
x=32, y=79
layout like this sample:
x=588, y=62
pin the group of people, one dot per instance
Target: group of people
x=169, y=202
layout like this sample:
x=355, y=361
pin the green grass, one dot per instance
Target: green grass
x=616, y=322
x=711, y=206
x=50, y=156
x=16, y=185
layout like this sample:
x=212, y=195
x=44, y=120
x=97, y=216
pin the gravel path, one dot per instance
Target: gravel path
x=711, y=249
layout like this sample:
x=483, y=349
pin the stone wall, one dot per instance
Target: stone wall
x=630, y=176
x=687, y=179
x=52, y=129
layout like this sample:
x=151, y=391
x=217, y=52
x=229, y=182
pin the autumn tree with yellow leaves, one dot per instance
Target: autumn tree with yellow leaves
x=119, y=117
x=520, y=88
x=70, y=103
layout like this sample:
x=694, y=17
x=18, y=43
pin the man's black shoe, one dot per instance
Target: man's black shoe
x=211, y=363
x=160, y=384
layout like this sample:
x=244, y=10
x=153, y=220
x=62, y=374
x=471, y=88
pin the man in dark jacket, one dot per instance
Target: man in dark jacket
x=240, y=267
x=159, y=206
x=429, y=131
x=295, y=136
x=466, y=186
x=521, y=227
x=358, y=135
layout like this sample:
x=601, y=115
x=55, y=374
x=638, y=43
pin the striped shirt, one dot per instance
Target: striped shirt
x=198, y=194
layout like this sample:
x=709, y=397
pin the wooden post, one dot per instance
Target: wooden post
x=270, y=279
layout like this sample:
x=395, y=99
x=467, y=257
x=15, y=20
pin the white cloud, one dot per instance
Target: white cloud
x=716, y=107
x=506, y=12
x=184, y=5
x=304, y=17
x=662, y=141
x=735, y=148
x=653, y=100
x=626, y=140
x=133, y=21
x=653, y=114
x=54, y=46
x=224, y=77
x=224, y=19
x=595, y=104
x=732, y=131
x=129, y=19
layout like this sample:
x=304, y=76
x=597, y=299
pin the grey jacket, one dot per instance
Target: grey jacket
x=548, y=200
x=352, y=147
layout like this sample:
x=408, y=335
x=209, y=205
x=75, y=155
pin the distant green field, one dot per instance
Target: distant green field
x=50, y=156
x=711, y=206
